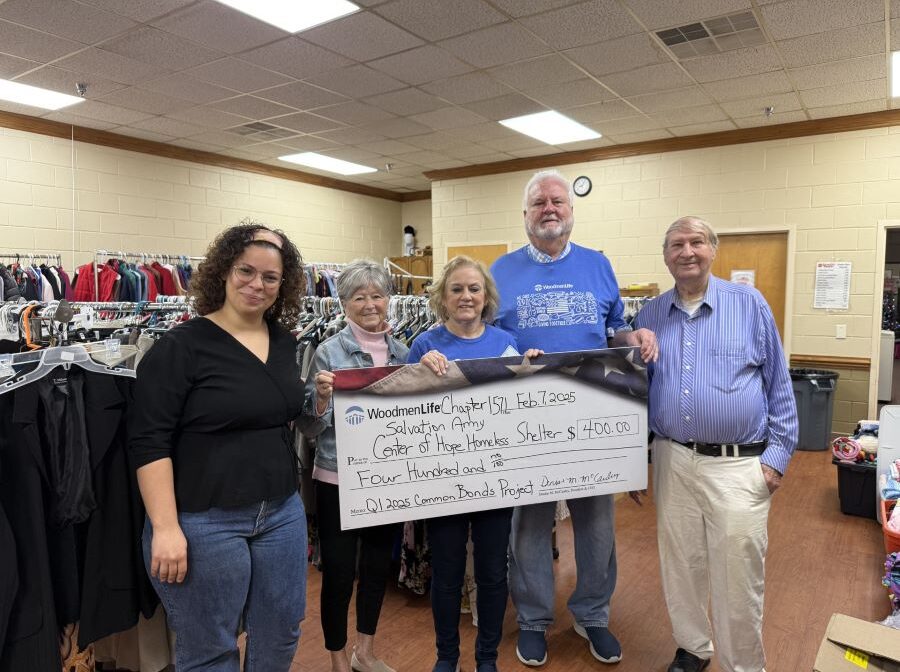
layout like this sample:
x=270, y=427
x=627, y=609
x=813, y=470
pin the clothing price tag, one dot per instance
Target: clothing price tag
x=490, y=433
x=6, y=369
x=858, y=658
x=113, y=345
x=67, y=356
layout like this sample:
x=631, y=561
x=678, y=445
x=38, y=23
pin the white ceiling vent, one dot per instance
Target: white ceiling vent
x=713, y=36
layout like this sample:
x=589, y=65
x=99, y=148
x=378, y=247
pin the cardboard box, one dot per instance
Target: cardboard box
x=851, y=645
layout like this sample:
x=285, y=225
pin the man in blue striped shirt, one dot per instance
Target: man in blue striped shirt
x=722, y=408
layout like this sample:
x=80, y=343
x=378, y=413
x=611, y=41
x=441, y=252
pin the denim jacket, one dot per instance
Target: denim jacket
x=341, y=351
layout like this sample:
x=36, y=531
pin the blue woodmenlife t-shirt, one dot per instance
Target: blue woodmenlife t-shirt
x=492, y=343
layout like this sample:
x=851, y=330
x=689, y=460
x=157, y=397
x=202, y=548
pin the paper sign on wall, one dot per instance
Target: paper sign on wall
x=747, y=277
x=832, y=285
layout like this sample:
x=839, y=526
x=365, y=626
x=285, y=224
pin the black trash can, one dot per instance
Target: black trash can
x=814, y=392
x=856, y=487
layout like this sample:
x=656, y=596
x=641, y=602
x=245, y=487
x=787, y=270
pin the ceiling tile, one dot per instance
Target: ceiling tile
x=834, y=45
x=356, y=155
x=36, y=46
x=805, y=17
x=110, y=66
x=895, y=9
x=64, y=117
x=351, y=136
x=505, y=107
x=517, y=142
x=139, y=10
x=648, y=79
x=424, y=157
x=65, y=19
x=64, y=81
x=437, y=19
x=111, y=113
x=615, y=127
x=467, y=88
x=847, y=109
x=184, y=87
x=624, y=53
x=252, y=107
x=362, y=36
x=481, y=132
x=406, y=102
x=520, y=8
x=670, y=100
x=223, y=138
x=149, y=102
x=11, y=66
x=358, y=81
x=537, y=72
x=204, y=147
x=469, y=150
x=754, y=85
x=301, y=96
x=159, y=48
x=238, y=75
x=760, y=119
x=496, y=45
x=173, y=127
x=353, y=113
x=782, y=102
x=611, y=109
x=304, y=143
x=655, y=14
x=585, y=23
x=690, y=115
x=144, y=135
x=737, y=63
x=570, y=94
x=209, y=117
x=639, y=136
x=448, y=117
x=292, y=56
x=698, y=129
x=850, y=92
x=421, y=65
x=895, y=34
x=839, y=72
x=397, y=128
x=388, y=147
x=218, y=27
x=433, y=141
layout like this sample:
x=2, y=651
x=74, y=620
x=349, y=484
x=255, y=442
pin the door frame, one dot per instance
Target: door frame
x=791, y=232
x=880, y=253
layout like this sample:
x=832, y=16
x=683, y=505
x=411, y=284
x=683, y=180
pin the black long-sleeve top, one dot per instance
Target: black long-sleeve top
x=220, y=413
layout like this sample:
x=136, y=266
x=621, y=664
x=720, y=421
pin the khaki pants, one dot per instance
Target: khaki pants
x=711, y=526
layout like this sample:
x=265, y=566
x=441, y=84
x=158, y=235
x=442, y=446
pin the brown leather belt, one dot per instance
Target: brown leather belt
x=726, y=449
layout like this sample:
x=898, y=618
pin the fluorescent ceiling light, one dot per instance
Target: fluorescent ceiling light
x=895, y=74
x=34, y=96
x=550, y=127
x=293, y=15
x=329, y=163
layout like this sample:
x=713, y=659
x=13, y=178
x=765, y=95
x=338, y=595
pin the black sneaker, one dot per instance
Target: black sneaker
x=687, y=662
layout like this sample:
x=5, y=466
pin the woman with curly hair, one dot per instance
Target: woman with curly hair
x=225, y=535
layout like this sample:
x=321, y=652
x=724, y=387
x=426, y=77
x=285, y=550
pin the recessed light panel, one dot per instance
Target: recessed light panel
x=329, y=163
x=293, y=15
x=34, y=96
x=551, y=127
x=895, y=74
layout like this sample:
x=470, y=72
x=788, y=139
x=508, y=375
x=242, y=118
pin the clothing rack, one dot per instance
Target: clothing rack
x=31, y=256
x=137, y=256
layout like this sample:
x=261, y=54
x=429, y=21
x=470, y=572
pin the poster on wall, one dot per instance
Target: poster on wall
x=747, y=277
x=832, y=285
x=490, y=433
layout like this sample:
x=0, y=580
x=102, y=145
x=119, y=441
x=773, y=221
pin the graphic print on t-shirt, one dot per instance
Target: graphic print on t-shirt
x=555, y=306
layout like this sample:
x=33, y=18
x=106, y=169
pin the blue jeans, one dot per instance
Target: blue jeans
x=447, y=537
x=245, y=564
x=531, y=562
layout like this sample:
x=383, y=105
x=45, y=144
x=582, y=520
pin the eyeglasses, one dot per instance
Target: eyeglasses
x=247, y=274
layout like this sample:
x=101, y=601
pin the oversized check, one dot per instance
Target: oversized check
x=488, y=434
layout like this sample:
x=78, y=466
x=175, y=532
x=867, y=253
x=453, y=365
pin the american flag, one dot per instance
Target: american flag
x=618, y=370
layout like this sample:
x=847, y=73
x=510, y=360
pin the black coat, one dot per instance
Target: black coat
x=90, y=570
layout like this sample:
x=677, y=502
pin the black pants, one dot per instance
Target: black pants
x=447, y=537
x=340, y=548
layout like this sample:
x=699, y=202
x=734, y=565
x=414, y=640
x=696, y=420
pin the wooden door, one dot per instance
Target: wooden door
x=763, y=254
x=486, y=254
